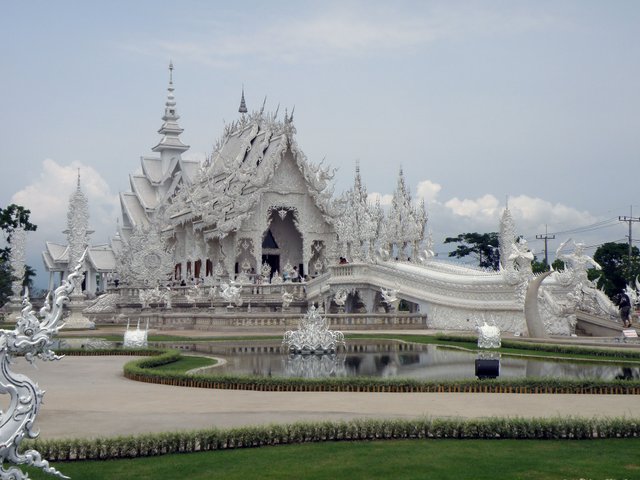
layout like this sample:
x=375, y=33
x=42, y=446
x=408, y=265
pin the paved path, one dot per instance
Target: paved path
x=89, y=397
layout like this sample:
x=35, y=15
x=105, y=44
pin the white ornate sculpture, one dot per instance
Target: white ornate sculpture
x=287, y=298
x=145, y=260
x=77, y=231
x=583, y=294
x=507, y=239
x=155, y=295
x=405, y=223
x=194, y=294
x=17, y=260
x=31, y=338
x=230, y=292
x=340, y=298
x=276, y=279
x=313, y=335
x=633, y=292
x=488, y=336
x=390, y=297
x=287, y=272
x=136, y=338
x=265, y=272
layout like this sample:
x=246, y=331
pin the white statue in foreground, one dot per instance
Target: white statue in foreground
x=31, y=338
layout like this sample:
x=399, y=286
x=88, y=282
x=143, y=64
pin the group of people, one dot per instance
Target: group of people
x=293, y=276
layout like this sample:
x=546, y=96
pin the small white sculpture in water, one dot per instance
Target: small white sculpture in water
x=313, y=335
x=136, y=338
x=489, y=336
x=32, y=339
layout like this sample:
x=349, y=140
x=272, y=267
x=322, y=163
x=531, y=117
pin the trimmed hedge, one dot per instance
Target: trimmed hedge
x=615, y=353
x=139, y=370
x=304, y=432
x=81, y=352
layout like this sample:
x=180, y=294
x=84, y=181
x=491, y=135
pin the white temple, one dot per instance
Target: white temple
x=99, y=263
x=258, y=212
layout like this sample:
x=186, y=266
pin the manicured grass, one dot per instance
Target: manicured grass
x=185, y=363
x=178, y=338
x=582, y=353
x=399, y=459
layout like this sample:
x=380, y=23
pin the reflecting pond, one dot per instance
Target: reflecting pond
x=393, y=359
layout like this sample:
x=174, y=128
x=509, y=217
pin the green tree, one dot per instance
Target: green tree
x=10, y=217
x=614, y=260
x=483, y=246
x=539, y=266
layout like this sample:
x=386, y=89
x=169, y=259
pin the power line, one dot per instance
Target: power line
x=630, y=220
x=609, y=222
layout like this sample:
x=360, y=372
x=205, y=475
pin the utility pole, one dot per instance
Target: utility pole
x=546, y=237
x=630, y=219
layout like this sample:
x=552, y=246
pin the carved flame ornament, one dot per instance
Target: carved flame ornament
x=31, y=338
x=313, y=335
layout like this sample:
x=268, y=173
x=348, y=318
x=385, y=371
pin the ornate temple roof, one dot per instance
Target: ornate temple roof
x=161, y=174
x=240, y=170
x=100, y=257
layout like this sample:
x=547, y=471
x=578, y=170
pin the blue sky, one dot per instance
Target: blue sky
x=477, y=101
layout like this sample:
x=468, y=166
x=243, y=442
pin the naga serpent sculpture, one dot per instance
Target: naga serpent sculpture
x=535, y=325
x=32, y=339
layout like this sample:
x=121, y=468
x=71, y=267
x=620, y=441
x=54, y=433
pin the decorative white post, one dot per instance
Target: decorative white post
x=78, y=240
x=32, y=339
x=17, y=263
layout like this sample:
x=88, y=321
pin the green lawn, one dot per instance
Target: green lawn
x=186, y=363
x=400, y=459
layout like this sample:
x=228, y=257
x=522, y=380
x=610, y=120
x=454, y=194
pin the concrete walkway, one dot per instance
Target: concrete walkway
x=89, y=397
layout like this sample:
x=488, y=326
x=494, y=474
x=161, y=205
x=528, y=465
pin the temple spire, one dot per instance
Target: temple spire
x=170, y=145
x=243, y=105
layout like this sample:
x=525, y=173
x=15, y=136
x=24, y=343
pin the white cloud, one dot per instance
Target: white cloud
x=385, y=199
x=428, y=191
x=485, y=206
x=538, y=212
x=48, y=196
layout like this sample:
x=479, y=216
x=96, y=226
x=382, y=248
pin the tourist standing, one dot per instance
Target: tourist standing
x=625, y=309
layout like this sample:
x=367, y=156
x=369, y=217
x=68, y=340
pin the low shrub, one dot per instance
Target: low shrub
x=304, y=432
x=141, y=370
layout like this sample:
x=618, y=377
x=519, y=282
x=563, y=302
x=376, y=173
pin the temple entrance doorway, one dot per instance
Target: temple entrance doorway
x=283, y=239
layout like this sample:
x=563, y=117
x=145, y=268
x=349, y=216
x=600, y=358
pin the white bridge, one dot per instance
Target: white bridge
x=457, y=297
